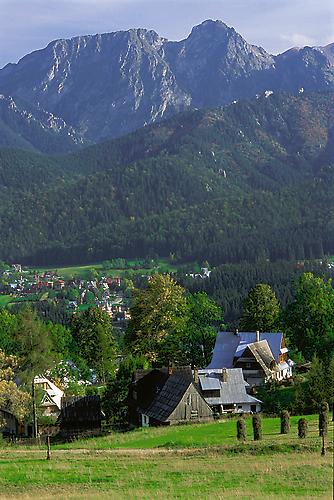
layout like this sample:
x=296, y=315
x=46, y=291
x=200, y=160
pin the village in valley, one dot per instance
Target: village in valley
x=238, y=369
x=166, y=249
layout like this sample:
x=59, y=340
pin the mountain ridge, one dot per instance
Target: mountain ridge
x=107, y=85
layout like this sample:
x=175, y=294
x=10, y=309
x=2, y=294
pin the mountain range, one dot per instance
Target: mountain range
x=91, y=88
x=252, y=180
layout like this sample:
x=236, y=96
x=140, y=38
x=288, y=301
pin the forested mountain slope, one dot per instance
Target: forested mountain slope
x=29, y=128
x=248, y=181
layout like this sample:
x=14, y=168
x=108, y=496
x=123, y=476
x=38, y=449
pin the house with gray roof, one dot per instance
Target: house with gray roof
x=225, y=391
x=166, y=396
x=261, y=356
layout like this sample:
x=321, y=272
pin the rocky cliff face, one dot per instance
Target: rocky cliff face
x=107, y=85
x=27, y=127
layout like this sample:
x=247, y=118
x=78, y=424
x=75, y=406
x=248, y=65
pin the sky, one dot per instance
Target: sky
x=276, y=25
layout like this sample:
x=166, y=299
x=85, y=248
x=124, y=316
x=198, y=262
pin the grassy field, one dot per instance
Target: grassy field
x=145, y=475
x=83, y=272
x=5, y=300
x=200, y=461
x=218, y=433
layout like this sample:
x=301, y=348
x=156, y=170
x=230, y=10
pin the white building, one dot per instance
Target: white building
x=51, y=399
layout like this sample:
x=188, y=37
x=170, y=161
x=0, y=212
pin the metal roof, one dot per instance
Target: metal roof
x=209, y=383
x=233, y=391
x=230, y=345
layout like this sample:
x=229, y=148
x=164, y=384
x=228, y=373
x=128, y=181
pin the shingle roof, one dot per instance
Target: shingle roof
x=230, y=345
x=160, y=393
x=168, y=398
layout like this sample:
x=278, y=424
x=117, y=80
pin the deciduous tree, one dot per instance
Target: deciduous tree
x=261, y=309
x=158, y=319
x=34, y=347
x=11, y=397
x=205, y=316
x=309, y=318
x=93, y=333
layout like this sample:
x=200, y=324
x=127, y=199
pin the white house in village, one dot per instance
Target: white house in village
x=261, y=356
x=224, y=390
x=51, y=399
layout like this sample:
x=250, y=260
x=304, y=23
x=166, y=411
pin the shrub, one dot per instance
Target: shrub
x=302, y=428
x=323, y=419
x=241, y=429
x=257, y=427
x=285, y=422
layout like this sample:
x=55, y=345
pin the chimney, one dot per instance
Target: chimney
x=170, y=368
x=196, y=378
x=257, y=336
x=224, y=375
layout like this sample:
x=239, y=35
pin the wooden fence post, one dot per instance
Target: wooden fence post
x=48, y=453
x=323, y=449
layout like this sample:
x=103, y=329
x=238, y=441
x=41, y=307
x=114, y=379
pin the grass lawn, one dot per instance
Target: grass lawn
x=200, y=461
x=5, y=300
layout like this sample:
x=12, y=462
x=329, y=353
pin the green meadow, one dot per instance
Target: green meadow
x=5, y=300
x=198, y=461
x=84, y=272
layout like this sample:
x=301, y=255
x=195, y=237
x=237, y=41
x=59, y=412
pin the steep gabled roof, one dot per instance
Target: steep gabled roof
x=229, y=346
x=168, y=398
x=274, y=340
x=159, y=393
x=263, y=355
x=52, y=391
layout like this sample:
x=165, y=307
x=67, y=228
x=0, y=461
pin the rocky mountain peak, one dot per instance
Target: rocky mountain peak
x=106, y=85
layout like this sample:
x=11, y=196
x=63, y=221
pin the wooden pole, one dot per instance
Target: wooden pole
x=48, y=453
x=34, y=414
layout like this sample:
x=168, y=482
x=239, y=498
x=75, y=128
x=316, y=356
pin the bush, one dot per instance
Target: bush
x=323, y=419
x=285, y=422
x=257, y=427
x=241, y=429
x=302, y=428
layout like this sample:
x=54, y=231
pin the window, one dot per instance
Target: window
x=211, y=393
x=145, y=420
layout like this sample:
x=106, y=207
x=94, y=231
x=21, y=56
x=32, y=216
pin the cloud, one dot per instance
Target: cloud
x=298, y=40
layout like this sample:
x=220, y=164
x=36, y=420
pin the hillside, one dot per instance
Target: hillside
x=26, y=127
x=248, y=181
x=107, y=85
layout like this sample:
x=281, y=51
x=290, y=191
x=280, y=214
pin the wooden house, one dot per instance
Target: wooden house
x=9, y=425
x=167, y=396
x=80, y=416
x=262, y=356
x=51, y=397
